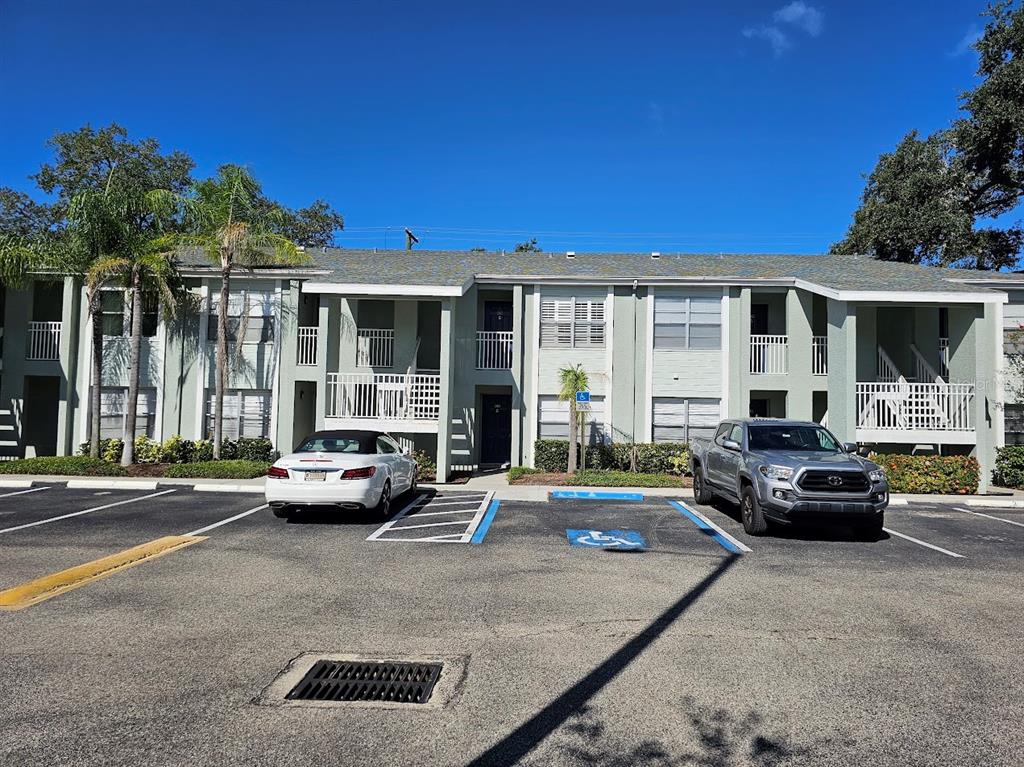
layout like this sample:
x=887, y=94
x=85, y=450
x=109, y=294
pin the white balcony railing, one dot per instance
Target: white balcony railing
x=307, y=345
x=375, y=347
x=769, y=355
x=494, y=350
x=43, y=341
x=819, y=355
x=903, y=406
x=384, y=396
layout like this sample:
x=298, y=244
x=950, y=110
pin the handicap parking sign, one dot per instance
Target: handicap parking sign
x=583, y=396
x=606, y=539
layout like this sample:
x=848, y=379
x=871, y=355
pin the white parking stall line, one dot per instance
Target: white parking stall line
x=989, y=516
x=927, y=545
x=22, y=492
x=84, y=511
x=422, y=507
x=202, y=530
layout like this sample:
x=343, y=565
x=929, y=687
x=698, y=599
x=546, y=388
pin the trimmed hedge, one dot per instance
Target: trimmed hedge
x=646, y=458
x=612, y=478
x=176, y=449
x=234, y=469
x=1009, y=471
x=63, y=465
x=947, y=474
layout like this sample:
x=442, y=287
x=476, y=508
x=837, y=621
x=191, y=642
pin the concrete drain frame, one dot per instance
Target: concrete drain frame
x=453, y=673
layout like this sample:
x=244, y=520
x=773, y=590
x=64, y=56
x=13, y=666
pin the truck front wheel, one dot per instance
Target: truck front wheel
x=754, y=522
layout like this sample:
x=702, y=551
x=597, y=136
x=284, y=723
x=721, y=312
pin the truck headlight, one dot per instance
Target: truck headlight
x=876, y=476
x=776, y=472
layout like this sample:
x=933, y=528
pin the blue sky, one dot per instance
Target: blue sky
x=683, y=126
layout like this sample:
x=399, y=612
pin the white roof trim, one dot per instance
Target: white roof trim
x=355, y=288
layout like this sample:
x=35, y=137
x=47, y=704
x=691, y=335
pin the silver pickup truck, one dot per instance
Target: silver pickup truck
x=787, y=471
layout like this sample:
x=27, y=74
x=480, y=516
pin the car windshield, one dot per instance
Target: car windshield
x=792, y=438
x=333, y=445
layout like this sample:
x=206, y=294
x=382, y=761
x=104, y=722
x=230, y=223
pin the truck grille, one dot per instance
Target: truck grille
x=819, y=481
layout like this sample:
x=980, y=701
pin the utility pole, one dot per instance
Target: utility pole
x=410, y=239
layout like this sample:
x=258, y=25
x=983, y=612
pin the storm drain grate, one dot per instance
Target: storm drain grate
x=368, y=681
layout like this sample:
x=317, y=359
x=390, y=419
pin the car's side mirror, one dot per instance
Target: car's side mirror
x=850, y=447
x=731, y=444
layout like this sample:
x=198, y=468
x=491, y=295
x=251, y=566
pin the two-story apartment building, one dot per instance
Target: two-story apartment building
x=458, y=353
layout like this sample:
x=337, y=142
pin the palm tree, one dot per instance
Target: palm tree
x=572, y=380
x=231, y=222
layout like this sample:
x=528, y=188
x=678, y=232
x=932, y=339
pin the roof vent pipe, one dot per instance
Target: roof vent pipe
x=570, y=254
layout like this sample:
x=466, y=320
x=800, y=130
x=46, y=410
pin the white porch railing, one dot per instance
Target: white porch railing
x=769, y=355
x=887, y=370
x=375, y=347
x=383, y=396
x=923, y=370
x=903, y=406
x=494, y=350
x=307, y=345
x=43, y=341
x=819, y=355
x=944, y=357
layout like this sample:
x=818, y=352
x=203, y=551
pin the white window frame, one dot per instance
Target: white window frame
x=573, y=323
x=687, y=323
x=687, y=424
x=143, y=415
x=596, y=420
x=235, y=417
x=263, y=308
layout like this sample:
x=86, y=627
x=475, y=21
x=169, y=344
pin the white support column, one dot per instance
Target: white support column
x=203, y=351
x=444, y=424
x=518, y=458
x=609, y=361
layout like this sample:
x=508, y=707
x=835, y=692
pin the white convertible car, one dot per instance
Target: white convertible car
x=344, y=469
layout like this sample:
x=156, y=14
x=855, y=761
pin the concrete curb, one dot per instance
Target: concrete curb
x=111, y=484
x=995, y=503
x=227, y=488
x=16, y=483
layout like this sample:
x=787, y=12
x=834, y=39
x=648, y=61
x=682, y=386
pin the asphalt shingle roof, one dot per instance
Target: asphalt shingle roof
x=455, y=268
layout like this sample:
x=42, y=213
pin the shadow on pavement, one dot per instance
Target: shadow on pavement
x=722, y=739
x=524, y=738
x=331, y=515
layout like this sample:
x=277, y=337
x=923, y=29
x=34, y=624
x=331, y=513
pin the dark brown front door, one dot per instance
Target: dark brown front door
x=496, y=428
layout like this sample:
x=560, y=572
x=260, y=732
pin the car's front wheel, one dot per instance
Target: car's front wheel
x=754, y=522
x=384, y=505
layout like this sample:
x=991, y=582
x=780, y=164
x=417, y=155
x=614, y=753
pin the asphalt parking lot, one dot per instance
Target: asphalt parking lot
x=656, y=639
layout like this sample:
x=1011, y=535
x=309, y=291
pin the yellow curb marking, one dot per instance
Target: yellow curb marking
x=41, y=589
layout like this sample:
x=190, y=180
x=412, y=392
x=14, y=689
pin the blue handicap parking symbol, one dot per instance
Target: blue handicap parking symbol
x=606, y=539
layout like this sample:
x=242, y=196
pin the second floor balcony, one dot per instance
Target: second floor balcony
x=494, y=350
x=397, y=401
x=43, y=341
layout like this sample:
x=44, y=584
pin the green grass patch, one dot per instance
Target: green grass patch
x=521, y=471
x=63, y=465
x=596, y=478
x=237, y=469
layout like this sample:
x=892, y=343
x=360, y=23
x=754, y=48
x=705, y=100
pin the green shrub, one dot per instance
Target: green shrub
x=256, y=449
x=234, y=469
x=1009, y=471
x=950, y=474
x=177, y=449
x=426, y=467
x=648, y=458
x=202, y=450
x=63, y=465
x=228, y=450
x=111, y=449
x=146, y=450
x=521, y=471
x=624, y=479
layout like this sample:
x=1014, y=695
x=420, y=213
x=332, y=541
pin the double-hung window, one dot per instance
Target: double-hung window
x=250, y=316
x=687, y=321
x=572, y=323
x=116, y=313
x=553, y=418
x=246, y=413
x=676, y=419
x=113, y=407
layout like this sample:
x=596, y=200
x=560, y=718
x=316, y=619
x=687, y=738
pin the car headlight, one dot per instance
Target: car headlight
x=776, y=472
x=876, y=476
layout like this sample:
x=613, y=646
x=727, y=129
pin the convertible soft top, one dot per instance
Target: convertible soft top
x=367, y=439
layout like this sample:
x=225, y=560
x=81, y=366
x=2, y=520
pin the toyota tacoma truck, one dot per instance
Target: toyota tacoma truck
x=787, y=471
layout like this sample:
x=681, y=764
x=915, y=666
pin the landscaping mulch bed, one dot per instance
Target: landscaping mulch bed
x=562, y=479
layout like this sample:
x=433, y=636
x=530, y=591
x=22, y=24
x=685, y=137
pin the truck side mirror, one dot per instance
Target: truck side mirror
x=850, y=447
x=731, y=444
